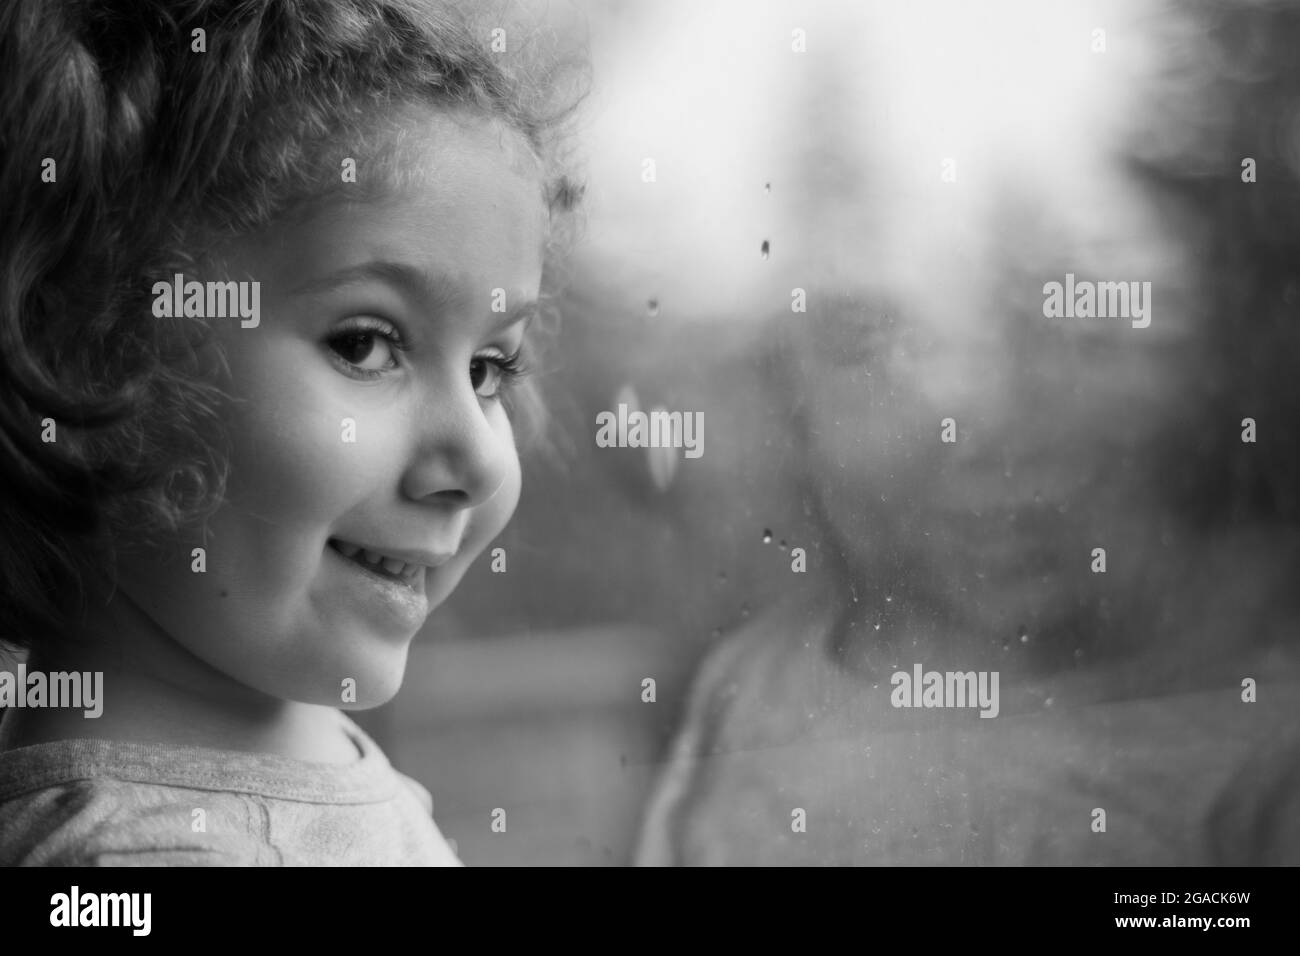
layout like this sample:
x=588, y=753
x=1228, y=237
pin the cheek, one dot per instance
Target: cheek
x=307, y=444
x=286, y=471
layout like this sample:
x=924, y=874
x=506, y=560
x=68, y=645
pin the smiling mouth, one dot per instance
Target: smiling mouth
x=378, y=563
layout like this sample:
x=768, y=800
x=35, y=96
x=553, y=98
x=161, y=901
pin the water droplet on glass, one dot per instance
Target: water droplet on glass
x=767, y=536
x=782, y=545
x=889, y=596
x=767, y=187
x=1024, y=636
x=1005, y=646
x=652, y=307
x=765, y=250
x=877, y=625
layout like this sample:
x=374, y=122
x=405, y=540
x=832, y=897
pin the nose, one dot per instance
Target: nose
x=460, y=459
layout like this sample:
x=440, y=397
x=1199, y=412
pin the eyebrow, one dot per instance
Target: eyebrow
x=425, y=286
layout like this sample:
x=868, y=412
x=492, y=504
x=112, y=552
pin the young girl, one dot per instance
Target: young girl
x=268, y=276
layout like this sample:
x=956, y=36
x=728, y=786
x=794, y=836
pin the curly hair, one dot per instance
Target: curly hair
x=131, y=133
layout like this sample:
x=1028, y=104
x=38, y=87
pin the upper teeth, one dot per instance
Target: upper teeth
x=391, y=565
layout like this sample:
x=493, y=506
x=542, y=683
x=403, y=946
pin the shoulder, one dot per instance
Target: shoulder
x=106, y=822
x=88, y=802
x=777, y=657
x=736, y=703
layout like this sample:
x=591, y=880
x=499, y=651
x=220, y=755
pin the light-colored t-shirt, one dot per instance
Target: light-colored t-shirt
x=110, y=803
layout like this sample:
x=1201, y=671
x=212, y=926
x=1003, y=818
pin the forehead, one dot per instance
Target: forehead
x=413, y=144
x=459, y=192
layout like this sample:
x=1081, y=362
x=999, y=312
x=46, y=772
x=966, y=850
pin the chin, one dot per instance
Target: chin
x=378, y=679
x=362, y=676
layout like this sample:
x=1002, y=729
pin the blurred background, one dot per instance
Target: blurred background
x=919, y=171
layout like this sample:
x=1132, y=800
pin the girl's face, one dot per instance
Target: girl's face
x=368, y=423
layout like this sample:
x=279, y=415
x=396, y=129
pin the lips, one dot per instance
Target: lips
x=395, y=563
x=393, y=600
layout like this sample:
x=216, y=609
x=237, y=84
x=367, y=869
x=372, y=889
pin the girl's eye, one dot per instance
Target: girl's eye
x=367, y=351
x=493, y=375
